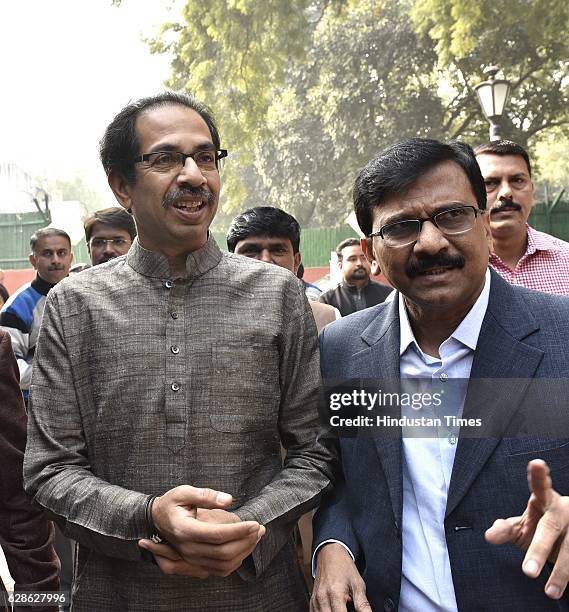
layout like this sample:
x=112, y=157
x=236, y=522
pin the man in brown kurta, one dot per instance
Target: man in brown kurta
x=172, y=369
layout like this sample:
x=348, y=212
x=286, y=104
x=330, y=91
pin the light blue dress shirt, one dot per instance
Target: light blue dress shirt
x=426, y=581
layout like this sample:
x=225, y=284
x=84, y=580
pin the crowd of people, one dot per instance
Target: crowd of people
x=178, y=431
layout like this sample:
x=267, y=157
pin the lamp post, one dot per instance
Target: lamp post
x=492, y=96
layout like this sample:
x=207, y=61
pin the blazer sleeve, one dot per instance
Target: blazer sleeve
x=104, y=517
x=309, y=465
x=26, y=536
x=332, y=519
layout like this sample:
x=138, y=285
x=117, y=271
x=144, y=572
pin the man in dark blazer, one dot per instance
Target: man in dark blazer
x=25, y=535
x=431, y=524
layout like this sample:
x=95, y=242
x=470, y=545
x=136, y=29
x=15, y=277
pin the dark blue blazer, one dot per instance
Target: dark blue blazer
x=524, y=335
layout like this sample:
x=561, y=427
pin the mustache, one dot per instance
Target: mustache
x=416, y=266
x=505, y=204
x=53, y=268
x=179, y=193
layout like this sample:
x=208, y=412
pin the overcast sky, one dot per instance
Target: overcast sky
x=67, y=67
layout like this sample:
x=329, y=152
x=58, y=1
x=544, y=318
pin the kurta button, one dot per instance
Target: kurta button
x=174, y=315
x=175, y=349
x=175, y=386
x=168, y=284
x=443, y=376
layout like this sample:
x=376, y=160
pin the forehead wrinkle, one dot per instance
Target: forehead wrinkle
x=170, y=124
x=259, y=240
x=175, y=148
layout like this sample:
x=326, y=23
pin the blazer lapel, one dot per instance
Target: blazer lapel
x=499, y=354
x=380, y=362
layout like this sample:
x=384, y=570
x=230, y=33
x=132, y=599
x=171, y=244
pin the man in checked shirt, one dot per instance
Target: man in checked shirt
x=521, y=254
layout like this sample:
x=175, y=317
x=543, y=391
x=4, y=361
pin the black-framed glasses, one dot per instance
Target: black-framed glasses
x=166, y=161
x=99, y=243
x=451, y=221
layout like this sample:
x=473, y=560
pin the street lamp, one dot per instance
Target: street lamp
x=492, y=96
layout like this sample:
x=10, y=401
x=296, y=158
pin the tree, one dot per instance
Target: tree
x=307, y=91
x=527, y=39
x=75, y=188
x=354, y=95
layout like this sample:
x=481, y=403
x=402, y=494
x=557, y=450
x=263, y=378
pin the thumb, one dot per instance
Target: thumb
x=187, y=495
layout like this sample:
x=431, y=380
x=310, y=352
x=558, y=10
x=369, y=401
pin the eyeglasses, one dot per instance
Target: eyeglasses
x=166, y=161
x=99, y=243
x=452, y=221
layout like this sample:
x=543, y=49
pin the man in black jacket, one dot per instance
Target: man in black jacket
x=356, y=291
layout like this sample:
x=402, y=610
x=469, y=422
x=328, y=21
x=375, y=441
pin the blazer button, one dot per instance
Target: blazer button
x=175, y=386
x=168, y=284
x=175, y=349
x=389, y=605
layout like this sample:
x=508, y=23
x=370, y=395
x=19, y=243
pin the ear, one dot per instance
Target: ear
x=121, y=189
x=32, y=260
x=367, y=249
x=488, y=231
x=297, y=260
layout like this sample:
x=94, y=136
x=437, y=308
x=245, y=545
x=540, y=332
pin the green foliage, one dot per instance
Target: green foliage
x=75, y=188
x=307, y=91
x=527, y=39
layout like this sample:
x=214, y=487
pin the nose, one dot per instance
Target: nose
x=265, y=255
x=430, y=240
x=504, y=191
x=191, y=174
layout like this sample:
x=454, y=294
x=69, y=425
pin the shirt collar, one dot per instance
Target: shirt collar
x=353, y=287
x=538, y=241
x=41, y=285
x=155, y=265
x=466, y=333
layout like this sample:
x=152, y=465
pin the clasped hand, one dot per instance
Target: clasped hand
x=202, y=538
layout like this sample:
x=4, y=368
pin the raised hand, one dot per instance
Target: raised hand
x=541, y=530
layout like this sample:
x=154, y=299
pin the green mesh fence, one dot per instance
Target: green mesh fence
x=315, y=244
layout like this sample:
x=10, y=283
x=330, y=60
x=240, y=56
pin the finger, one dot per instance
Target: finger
x=180, y=568
x=195, y=552
x=335, y=597
x=539, y=483
x=217, y=533
x=559, y=578
x=548, y=531
x=317, y=605
x=327, y=598
x=164, y=550
x=504, y=530
x=201, y=497
x=361, y=604
x=216, y=516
